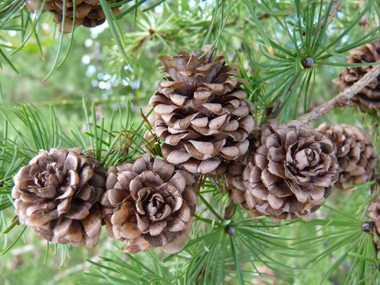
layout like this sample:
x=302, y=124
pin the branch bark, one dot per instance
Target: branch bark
x=334, y=10
x=365, y=19
x=343, y=98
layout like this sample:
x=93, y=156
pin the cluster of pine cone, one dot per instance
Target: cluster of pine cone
x=66, y=197
x=284, y=171
x=367, y=100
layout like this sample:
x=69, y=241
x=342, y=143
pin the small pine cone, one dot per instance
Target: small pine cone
x=369, y=96
x=58, y=195
x=148, y=204
x=357, y=157
x=202, y=116
x=374, y=215
x=89, y=13
x=290, y=174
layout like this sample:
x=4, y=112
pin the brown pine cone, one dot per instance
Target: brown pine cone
x=235, y=168
x=357, y=157
x=369, y=96
x=89, y=13
x=148, y=204
x=58, y=195
x=202, y=116
x=374, y=215
x=289, y=176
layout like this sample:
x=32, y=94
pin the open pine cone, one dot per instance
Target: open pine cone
x=369, y=96
x=374, y=215
x=89, y=13
x=202, y=116
x=148, y=204
x=58, y=195
x=235, y=168
x=289, y=175
x=357, y=157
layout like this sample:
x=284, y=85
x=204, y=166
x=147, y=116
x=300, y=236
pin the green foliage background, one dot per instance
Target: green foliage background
x=331, y=249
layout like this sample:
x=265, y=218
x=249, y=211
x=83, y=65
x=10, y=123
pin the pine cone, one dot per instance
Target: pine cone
x=369, y=96
x=235, y=168
x=58, y=195
x=289, y=176
x=374, y=215
x=357, y=157
x=89, y=13
x=202, y=116
x=148, y=204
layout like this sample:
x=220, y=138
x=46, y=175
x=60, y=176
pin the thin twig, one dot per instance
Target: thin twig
x=333, y=12
x=365, y=212
x=373, y=190
x=364, y=21
x=343, y=98
x=277, y=105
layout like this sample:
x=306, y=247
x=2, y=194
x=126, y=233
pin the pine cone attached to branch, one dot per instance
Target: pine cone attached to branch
x=357, y=157
x=203, y=117
x=369, y=96
x=58, y=195
x=89, y=13
x=149, y=204
x=289, y=176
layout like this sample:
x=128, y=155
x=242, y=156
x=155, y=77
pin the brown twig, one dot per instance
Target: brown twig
x=364, y=21
x=334, y=10
x=277, y=105
x=343, y=98
x=365, y=212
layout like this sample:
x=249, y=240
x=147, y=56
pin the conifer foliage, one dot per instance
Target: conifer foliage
x=226, y=179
